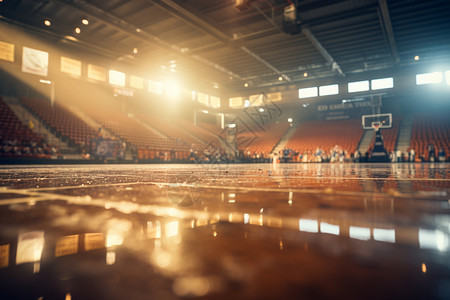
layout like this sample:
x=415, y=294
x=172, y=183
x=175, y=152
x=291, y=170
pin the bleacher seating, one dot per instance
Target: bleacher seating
x=17, y=139
x=261, y=141
x=326, y=134
x=166, y=127
x=208, y=133
x=63, y=122
x=430, y=129
x=148, y=144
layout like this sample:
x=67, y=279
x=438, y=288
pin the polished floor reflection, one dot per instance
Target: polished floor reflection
x=296, y=231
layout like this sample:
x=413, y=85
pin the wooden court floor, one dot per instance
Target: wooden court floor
x=244, y=231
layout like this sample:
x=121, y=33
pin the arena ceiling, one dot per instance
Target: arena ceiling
x=255, y=43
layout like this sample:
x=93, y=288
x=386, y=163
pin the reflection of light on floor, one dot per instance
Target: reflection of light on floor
x=116, y=232
x=191, y=286
x=384, y=235
x=154, y=230
x=246, y=218
x=329, y=228
x=114, y=239
x=360, y=233
x=424, y=268
x=308, y=225
x=29, y=247
x=66, y=245
x=433, y=239
x=110, y=258
x=4, y=256
x=171, y=229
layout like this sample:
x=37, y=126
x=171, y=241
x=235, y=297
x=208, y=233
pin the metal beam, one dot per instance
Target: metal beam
x=188, y=17
x=125, y=27
x=387, y=25
x=264, y=62
x=323, y=51
x=271, y=21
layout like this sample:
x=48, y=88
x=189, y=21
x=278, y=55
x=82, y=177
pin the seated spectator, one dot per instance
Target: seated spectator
x=441, y=155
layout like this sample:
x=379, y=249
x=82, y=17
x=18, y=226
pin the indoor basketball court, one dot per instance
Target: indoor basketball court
x=224, y=149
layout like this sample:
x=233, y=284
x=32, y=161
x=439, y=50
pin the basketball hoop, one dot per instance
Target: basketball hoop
x=376, y=126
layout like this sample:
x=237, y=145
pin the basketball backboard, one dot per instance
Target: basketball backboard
x=377, y=121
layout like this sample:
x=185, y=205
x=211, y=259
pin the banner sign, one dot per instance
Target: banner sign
x=7, y=51
x=116, y=78
x=203, y=98
x=35, y=61
x=70, y=66
x=107, y=148
x=124, y=92
x=214, y=101
x=275, y=97
x=236, y=102
x=96, y=73
x=343, y=106
x=256, y=100
x=136, y=82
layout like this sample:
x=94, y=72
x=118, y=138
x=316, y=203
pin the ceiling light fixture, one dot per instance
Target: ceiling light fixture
x=280, y=78
x=135, y=50
x=305, y=74
x=77, y=30
x=246, y=84
x=47, y=23
x=85, y=22
x=417, y=57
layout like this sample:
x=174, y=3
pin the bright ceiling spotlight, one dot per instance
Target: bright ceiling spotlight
x=85, y=21
x=173, y=90
x=77, y=30
x=417, y=57
x=135, y=50
x=280, y=78
x=305, y=74
x=47, y=23
x=290, y=120
x=246, y=84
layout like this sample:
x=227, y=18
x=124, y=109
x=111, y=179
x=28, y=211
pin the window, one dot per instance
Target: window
x=360, y=233
x=214, y=101
x=235, y=102
x=203, y=98
x=116, y=78
x=136, y=82
x=307, y=92
x=383, y=83
x=428, y=78
x=358, y=86
x=326, y=90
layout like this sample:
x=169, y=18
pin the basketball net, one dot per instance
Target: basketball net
x=376, y=127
